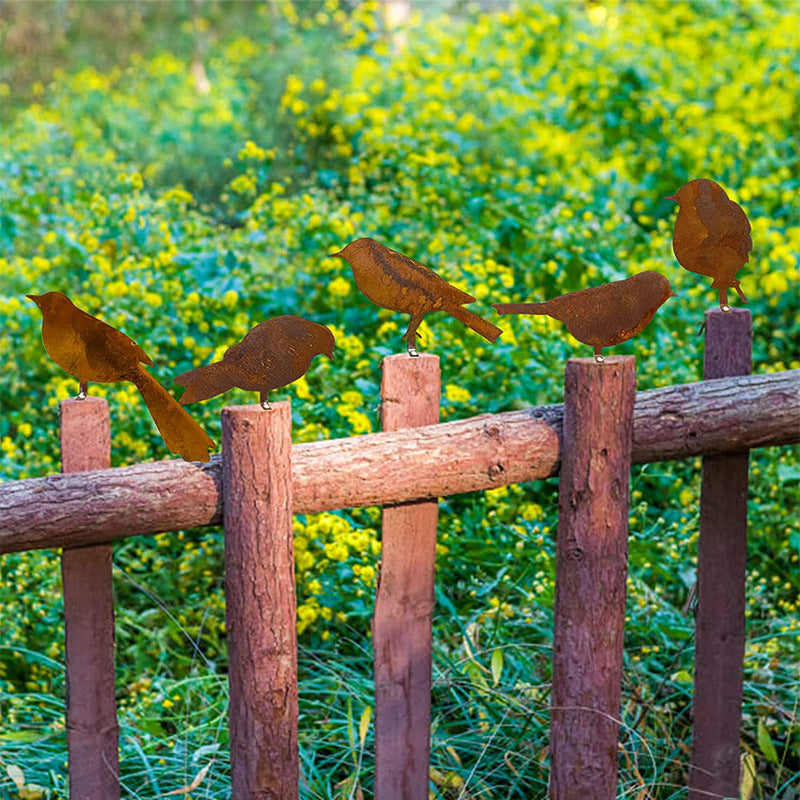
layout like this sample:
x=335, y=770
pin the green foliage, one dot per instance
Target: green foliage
x=521, y=153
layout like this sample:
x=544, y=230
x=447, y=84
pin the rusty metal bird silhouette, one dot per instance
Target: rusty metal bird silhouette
x=90, y=350
x=394, y=281
x=602, y=316
x=275, y=353
x=712, y=235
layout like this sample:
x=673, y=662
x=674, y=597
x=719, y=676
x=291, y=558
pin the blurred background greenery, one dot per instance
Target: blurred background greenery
x=181, y=169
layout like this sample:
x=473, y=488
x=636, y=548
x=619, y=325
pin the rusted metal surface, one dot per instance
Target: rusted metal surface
x=591, y=574
x=273, y=354
x=394, y=281
x=261, y=607
x=712, y=236
x=602, y=316
x=90, y=350
x=483, y=452
x=401, y=623
x=721, y=567
x=91, y=708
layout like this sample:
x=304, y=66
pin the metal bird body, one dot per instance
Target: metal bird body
x=92, y=351
x=602, y=316
x=86, y=347
x=712, y=235
x=394, y=281
x=273, y=354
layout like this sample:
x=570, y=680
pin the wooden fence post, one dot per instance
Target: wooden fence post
x=91, y=716
x=261, y=604
x=721, y=567
x=591, y=575
x=404, y=602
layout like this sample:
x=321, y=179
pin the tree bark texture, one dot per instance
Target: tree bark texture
x=721, y=568
x=261, y=607
x=401, y=624
x=483, y=452
x=91, y=707
x=591, y=575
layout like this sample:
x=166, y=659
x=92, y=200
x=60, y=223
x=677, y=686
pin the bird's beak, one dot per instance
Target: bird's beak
x=34, y=297
x=672, y=294
x=335, y=255
x=671, y=197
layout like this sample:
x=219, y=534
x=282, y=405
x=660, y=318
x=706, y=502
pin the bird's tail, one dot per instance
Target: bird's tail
x=205, y=382
x=182, y=435
x=472, y=320
x=520, y=308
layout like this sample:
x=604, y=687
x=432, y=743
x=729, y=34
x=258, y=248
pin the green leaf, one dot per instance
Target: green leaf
x=748, y=777
x=363, y=725
x=765, y=743
x=497, y=666
x=682, y=676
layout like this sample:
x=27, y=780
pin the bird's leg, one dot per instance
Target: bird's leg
x=264, y=398
x=84, y=389
x=723, y=300
x=739, y=291
x=411, y=334
x=598, y=355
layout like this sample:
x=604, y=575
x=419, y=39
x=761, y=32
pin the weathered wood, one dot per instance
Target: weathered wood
x=591, y=575
x=261, y=606
x=91, y=708
x=482, y=452
x=401, y=623
x=721, y=568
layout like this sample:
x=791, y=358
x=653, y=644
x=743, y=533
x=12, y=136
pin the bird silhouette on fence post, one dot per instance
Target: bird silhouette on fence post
x=273, y=354
x=394, y=281
x=712, y=236
x=602, y=316
x=90, y=350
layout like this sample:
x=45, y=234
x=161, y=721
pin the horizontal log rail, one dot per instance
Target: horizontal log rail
x=483, y=452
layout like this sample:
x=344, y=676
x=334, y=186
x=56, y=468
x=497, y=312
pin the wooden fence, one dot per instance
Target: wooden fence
x=261, y=479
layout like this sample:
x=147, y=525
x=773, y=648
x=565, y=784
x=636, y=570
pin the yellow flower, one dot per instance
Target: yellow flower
x=456, y=394
x=351, y=397
x=339, y=287
x=243, y=184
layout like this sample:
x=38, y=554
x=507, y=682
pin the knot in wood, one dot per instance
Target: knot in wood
x=492, y=430
x=575, y=554
x=495, y=471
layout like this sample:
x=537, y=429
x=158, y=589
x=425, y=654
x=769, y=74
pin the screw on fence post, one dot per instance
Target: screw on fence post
x=261, y=605
x=91, y=718
x=721, y=567
x=404, y=602
x=591, y=575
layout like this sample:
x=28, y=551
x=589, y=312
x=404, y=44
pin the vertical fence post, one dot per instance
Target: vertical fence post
x=401, y=623
x=261, y=605
x=591, y=575
x=91, y=718
x=721, y=567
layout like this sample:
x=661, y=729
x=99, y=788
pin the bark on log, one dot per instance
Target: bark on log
x=483, y=452
x=91, y=707
x=591, y=574
x=261, y=609
x=721, y=572
x=401, y=624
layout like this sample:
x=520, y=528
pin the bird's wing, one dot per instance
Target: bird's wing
x=257, y=349
x=424, y=277
x=727, y=225
x=102, y=336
